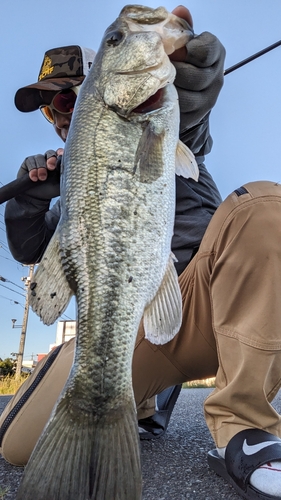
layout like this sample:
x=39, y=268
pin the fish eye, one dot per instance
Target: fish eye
x=114, y=38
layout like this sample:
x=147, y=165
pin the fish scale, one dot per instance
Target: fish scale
x=112, y=250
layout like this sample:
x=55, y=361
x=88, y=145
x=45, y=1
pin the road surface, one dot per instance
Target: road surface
x=175, y=466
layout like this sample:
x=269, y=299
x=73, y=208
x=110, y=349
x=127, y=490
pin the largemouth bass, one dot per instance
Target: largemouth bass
x=112, y=250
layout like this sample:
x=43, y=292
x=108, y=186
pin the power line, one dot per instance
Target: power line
x=11, y=290
x=67, y=317
x=8, y=281
x=7, y=258
x=3, y=248
x=11, y=300
x=3, y=243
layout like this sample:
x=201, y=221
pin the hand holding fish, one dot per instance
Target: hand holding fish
x=199, y=76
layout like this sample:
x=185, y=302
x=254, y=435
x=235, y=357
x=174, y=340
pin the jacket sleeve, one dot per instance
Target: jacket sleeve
x=30, y=224
x=196, y=202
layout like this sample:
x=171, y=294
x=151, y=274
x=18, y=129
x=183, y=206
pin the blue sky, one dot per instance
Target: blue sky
x=245, y=122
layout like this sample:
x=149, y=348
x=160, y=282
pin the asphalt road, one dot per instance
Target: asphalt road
x=175, y=466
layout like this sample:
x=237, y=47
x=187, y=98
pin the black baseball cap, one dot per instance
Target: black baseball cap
x=62, y=68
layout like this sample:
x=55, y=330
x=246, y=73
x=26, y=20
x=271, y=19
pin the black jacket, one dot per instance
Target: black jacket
x=30, y=222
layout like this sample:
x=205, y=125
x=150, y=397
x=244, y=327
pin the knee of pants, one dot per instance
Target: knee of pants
x=31, y=416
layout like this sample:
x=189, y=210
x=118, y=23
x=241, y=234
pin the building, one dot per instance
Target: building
x=66, y=330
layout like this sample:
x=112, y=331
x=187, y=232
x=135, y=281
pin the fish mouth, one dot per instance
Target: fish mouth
x=153, y=103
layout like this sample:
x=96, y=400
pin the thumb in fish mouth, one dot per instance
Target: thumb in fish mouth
x=184, y=13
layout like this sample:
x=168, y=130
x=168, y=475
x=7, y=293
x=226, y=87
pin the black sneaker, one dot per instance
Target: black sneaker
x=155, y=426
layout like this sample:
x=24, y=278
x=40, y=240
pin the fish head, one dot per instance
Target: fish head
x=133, y=60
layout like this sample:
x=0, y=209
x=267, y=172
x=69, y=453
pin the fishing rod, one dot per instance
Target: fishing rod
x=24, y=183
x=251, y=58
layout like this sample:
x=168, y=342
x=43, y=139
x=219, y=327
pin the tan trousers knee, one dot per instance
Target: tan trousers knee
x=231, y=325
x=22, y=434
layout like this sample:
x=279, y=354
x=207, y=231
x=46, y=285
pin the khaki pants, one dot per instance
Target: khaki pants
x=231, y=329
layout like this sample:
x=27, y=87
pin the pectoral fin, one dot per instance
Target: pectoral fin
x=149, y=154
x=186, y=164
x=162, y=318
x=49, y=292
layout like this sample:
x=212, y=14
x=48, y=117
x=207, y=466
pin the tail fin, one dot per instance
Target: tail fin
x=82, y=457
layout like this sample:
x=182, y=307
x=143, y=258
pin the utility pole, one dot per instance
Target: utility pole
x=24, y=324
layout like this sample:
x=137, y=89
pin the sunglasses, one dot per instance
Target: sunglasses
x=63, y=103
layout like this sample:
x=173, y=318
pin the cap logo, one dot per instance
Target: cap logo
x=47, y=68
